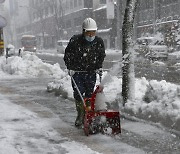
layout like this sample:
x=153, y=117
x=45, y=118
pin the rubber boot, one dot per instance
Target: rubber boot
x=80, y=114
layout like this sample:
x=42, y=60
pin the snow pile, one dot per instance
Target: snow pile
x=23, y=131
x=29, y=65
x=61, y=87
x=100, y=102
x=11, y=46
x=154, y=100
x=158, y=101
x=158, y=63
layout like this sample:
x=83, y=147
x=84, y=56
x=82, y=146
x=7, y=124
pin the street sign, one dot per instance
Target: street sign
x=3, y=22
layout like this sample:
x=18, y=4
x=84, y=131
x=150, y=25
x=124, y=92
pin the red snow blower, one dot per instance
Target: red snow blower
x=99, y=121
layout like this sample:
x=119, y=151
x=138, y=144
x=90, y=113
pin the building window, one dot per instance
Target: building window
x=75, y=3
x=146, y=5
x=68, y=24
x=46, y=11
x=33, y=3
x=71, y=4
x=165, y=2
x=77, y=21
x=67, y=5
x=102, y=1
x=79, y=2
x=52, y=10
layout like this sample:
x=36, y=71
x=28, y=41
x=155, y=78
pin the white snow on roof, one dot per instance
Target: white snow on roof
x=104, y=30
x=100, y=8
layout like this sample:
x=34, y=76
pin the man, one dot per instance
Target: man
x=84, y=55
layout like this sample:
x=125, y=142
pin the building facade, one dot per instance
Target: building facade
x=61, y=19
x=160, y=17
x=51, y=20
x=75, y=11
x=155, y=15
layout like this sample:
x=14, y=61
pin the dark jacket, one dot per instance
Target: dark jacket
x=81, y=55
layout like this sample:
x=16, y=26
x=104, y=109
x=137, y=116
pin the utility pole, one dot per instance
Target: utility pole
x=128, y=77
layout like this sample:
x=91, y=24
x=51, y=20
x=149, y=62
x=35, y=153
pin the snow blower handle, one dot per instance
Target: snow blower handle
x=77, y=89
x=100, y=78
x=100, y=87
x=100, y=72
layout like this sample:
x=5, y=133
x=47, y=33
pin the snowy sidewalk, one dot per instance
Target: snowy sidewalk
x=29, y=128
x=23, y=131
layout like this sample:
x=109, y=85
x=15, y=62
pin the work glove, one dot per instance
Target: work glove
x=71, y=72
x=100, y=72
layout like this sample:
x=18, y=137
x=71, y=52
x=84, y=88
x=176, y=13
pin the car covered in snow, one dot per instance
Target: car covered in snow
x=151, y=48
x=10, y=50
x=61, y=45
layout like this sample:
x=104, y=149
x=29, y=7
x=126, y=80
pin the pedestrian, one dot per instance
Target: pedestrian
x=84, y=56
x=7, y=52
x=19, y=52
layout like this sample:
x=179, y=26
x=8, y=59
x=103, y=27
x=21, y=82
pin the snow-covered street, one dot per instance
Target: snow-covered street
x=39, y=122
x=25, y=131
x=36, y=121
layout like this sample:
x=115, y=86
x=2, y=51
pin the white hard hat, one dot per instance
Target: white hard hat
x=89, y=24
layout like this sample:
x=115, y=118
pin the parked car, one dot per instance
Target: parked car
x=151, y=48
x=61, y=45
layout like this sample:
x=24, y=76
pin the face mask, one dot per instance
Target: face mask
x=90, y=39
